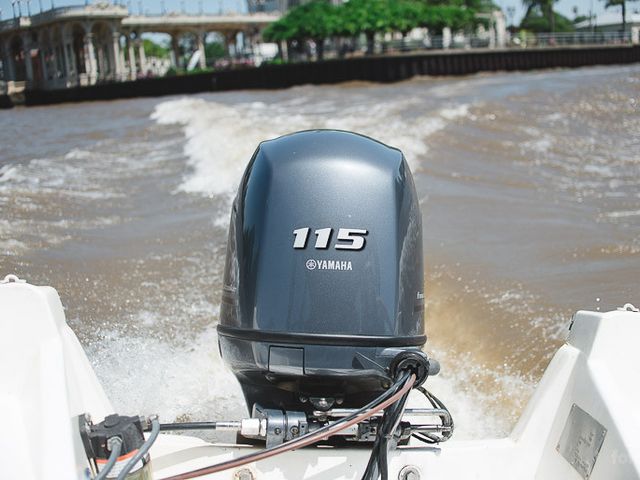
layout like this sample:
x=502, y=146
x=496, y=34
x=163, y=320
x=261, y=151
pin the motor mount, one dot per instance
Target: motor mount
x=323, y=282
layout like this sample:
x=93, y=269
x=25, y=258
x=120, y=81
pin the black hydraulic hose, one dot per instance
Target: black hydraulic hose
x=389, y=433
x=447, y=421
x=378, y=461
x=391, y=396
x=144, y=449
x=115, y=443
x=435, y=401
x=377, y=465
x=188, y=426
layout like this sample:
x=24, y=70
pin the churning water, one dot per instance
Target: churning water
x=528, y=185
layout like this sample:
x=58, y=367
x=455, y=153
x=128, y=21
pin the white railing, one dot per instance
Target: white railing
x=459, y=41
x=571, y=38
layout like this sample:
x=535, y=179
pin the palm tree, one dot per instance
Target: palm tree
x=622, y=3
x=546, y=7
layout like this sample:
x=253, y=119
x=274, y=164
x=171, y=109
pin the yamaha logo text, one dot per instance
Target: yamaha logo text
x=312, y=264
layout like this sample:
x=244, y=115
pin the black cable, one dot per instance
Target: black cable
x=387, y=433
x=436, y=403
x=187, y=426
x=428, y=395
x=390, y=436
x=142, y=451
x=115, y=444
x=426, y=438
x=371, y=472
x=449, y=423
x=378, y=460
x=373, y=466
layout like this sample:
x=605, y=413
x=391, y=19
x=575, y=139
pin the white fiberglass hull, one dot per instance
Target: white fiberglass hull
x=583, y=421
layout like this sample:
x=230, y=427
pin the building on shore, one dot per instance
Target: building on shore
x=85, y=45
x=610, y=21
x=266, y=6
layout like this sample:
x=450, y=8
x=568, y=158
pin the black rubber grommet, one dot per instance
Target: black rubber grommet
x=412, y=361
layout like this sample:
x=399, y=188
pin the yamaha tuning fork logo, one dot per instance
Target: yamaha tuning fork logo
x=346, y=239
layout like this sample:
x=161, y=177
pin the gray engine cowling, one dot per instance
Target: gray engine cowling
x=323, y=280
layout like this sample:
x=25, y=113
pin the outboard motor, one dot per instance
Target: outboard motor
x=323, y=283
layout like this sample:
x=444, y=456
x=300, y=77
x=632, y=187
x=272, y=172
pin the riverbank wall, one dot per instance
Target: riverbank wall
x=5, y=101
x=387, y=68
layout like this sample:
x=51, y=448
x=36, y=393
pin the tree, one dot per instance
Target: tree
x=535, y=21
x=277, y=31
x=438, y=17
x=546, y=7
x=404, y=16
x=215, y=50
x=316, y=20
x=623, y=4
x=153, y=49
x=368, y=17
x=483, y=6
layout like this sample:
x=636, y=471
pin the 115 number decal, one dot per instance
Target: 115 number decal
x=347, y=238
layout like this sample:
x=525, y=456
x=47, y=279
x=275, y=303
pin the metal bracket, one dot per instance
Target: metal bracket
x=281, y=426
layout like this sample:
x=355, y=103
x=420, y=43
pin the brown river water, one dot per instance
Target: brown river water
x=531, y=211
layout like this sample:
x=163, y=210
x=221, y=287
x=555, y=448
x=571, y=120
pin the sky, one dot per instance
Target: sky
x=564, y=7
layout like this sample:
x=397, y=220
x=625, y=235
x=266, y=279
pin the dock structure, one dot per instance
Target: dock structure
x=101, y=43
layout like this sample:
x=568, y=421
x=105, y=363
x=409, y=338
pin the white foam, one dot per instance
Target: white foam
x=77, y=154
x=220, y=139
x=8, y=173
x=623, y=214
x=540, y=145
x=11, y=247
x=456, y=112
x=475, y=394
x=519, y=302
x=599, y=170
x=148, y=375
x=191, y=382
x=557, y=117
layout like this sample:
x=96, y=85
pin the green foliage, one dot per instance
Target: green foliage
x=274, y=61
x=153, y=49
x=198, y=70
x=277, y=31
x=440, y=16
x=539, y=8
x=366, y=16
x=319, y=19
x=535, y=21
x=484, y=6
x=173, y=72
x=404, y=15
x=214, y=50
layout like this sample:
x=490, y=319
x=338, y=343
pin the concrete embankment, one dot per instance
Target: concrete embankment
x=388, y=68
